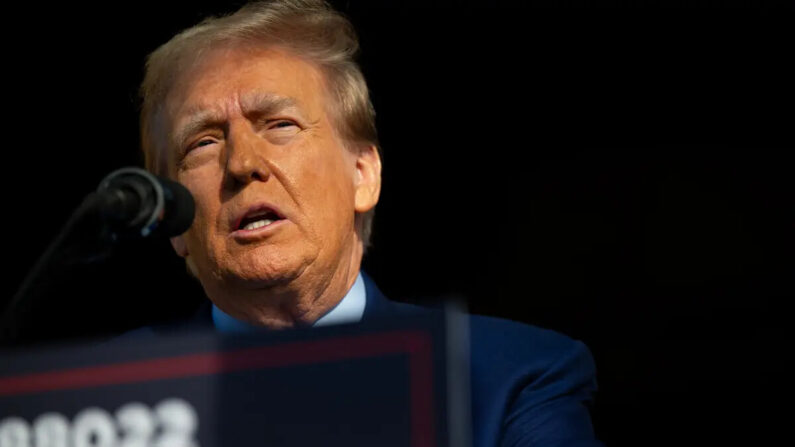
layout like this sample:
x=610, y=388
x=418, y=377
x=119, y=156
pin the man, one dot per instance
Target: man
x=266, y=119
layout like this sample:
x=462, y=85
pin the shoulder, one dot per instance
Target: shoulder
x=530, y=386
x=510, y=345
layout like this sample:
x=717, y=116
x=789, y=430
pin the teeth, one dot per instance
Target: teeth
x=258, y=224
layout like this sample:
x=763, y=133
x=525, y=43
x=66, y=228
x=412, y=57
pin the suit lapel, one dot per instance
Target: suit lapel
x=379, y=306
x=376, y=304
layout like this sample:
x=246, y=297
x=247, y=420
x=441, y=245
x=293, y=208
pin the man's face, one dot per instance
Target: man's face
x=250, y=135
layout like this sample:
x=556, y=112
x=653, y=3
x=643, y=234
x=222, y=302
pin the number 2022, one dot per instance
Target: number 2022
x=134, y=425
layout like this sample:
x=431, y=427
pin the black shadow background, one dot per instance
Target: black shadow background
x=621, y=175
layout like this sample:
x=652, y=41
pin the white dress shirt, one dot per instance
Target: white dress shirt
x=349, y=310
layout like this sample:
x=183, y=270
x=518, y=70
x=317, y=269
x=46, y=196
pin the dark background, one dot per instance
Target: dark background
x=620, y=174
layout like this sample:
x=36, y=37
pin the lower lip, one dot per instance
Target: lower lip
x=257, y=233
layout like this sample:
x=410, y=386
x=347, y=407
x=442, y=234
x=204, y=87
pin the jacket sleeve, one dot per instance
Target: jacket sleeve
x=531, y=387
x=551, y=409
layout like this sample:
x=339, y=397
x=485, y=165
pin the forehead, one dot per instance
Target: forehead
x=230, y=79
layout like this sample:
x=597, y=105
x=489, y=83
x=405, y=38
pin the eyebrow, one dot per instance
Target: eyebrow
x=266, y=103
x=252, y=104
x=198, y=119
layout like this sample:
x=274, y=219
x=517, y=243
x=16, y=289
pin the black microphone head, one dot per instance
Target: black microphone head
x=180, y=208
x=137, y=203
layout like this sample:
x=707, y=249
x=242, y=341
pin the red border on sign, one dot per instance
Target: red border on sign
x=414, y=343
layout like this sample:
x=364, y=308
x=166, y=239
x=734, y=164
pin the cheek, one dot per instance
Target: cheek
x=338, y=199
x=332, y=185
x=199, y=182
x=206, y=198
x=202, y=246
x=316, y=175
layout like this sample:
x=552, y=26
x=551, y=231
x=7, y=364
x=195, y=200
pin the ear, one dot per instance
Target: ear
x=367, y=179
x=180, y=246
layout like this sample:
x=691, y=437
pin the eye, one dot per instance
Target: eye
x=281, y=131
x=201, y=143
x=281, y=124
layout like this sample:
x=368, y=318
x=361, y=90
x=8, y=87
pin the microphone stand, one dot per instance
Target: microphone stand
x=86, y=218
x=130, y=203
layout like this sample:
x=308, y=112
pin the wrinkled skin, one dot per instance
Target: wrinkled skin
x=250, y=126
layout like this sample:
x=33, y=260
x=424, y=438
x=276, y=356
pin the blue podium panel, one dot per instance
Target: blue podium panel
x=355, y=385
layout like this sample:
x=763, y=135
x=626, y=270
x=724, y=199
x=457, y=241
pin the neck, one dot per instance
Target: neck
x=300, y=302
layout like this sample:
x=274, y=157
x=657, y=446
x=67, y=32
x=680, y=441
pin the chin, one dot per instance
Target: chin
x=265, y=271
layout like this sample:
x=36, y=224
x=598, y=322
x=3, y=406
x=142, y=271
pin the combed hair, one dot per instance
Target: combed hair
x=309, y=29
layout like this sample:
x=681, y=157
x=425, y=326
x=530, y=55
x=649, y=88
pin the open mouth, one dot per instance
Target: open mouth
x=258, y=219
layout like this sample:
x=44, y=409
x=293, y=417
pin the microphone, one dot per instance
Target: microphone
x=129, y=203
x=136, y=203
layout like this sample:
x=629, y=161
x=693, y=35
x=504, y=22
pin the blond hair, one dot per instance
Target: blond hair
x=309, y=29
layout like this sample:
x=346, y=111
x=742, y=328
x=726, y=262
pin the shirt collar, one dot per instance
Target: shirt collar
x=349, y=310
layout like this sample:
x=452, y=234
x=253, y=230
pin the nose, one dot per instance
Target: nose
x=245, y=161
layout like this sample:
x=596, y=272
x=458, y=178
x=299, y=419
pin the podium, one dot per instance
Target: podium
x=399, y=382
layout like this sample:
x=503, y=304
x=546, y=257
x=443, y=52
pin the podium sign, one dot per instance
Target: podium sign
x=355, y=385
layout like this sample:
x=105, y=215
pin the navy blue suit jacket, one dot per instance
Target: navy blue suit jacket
x=530, y=386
